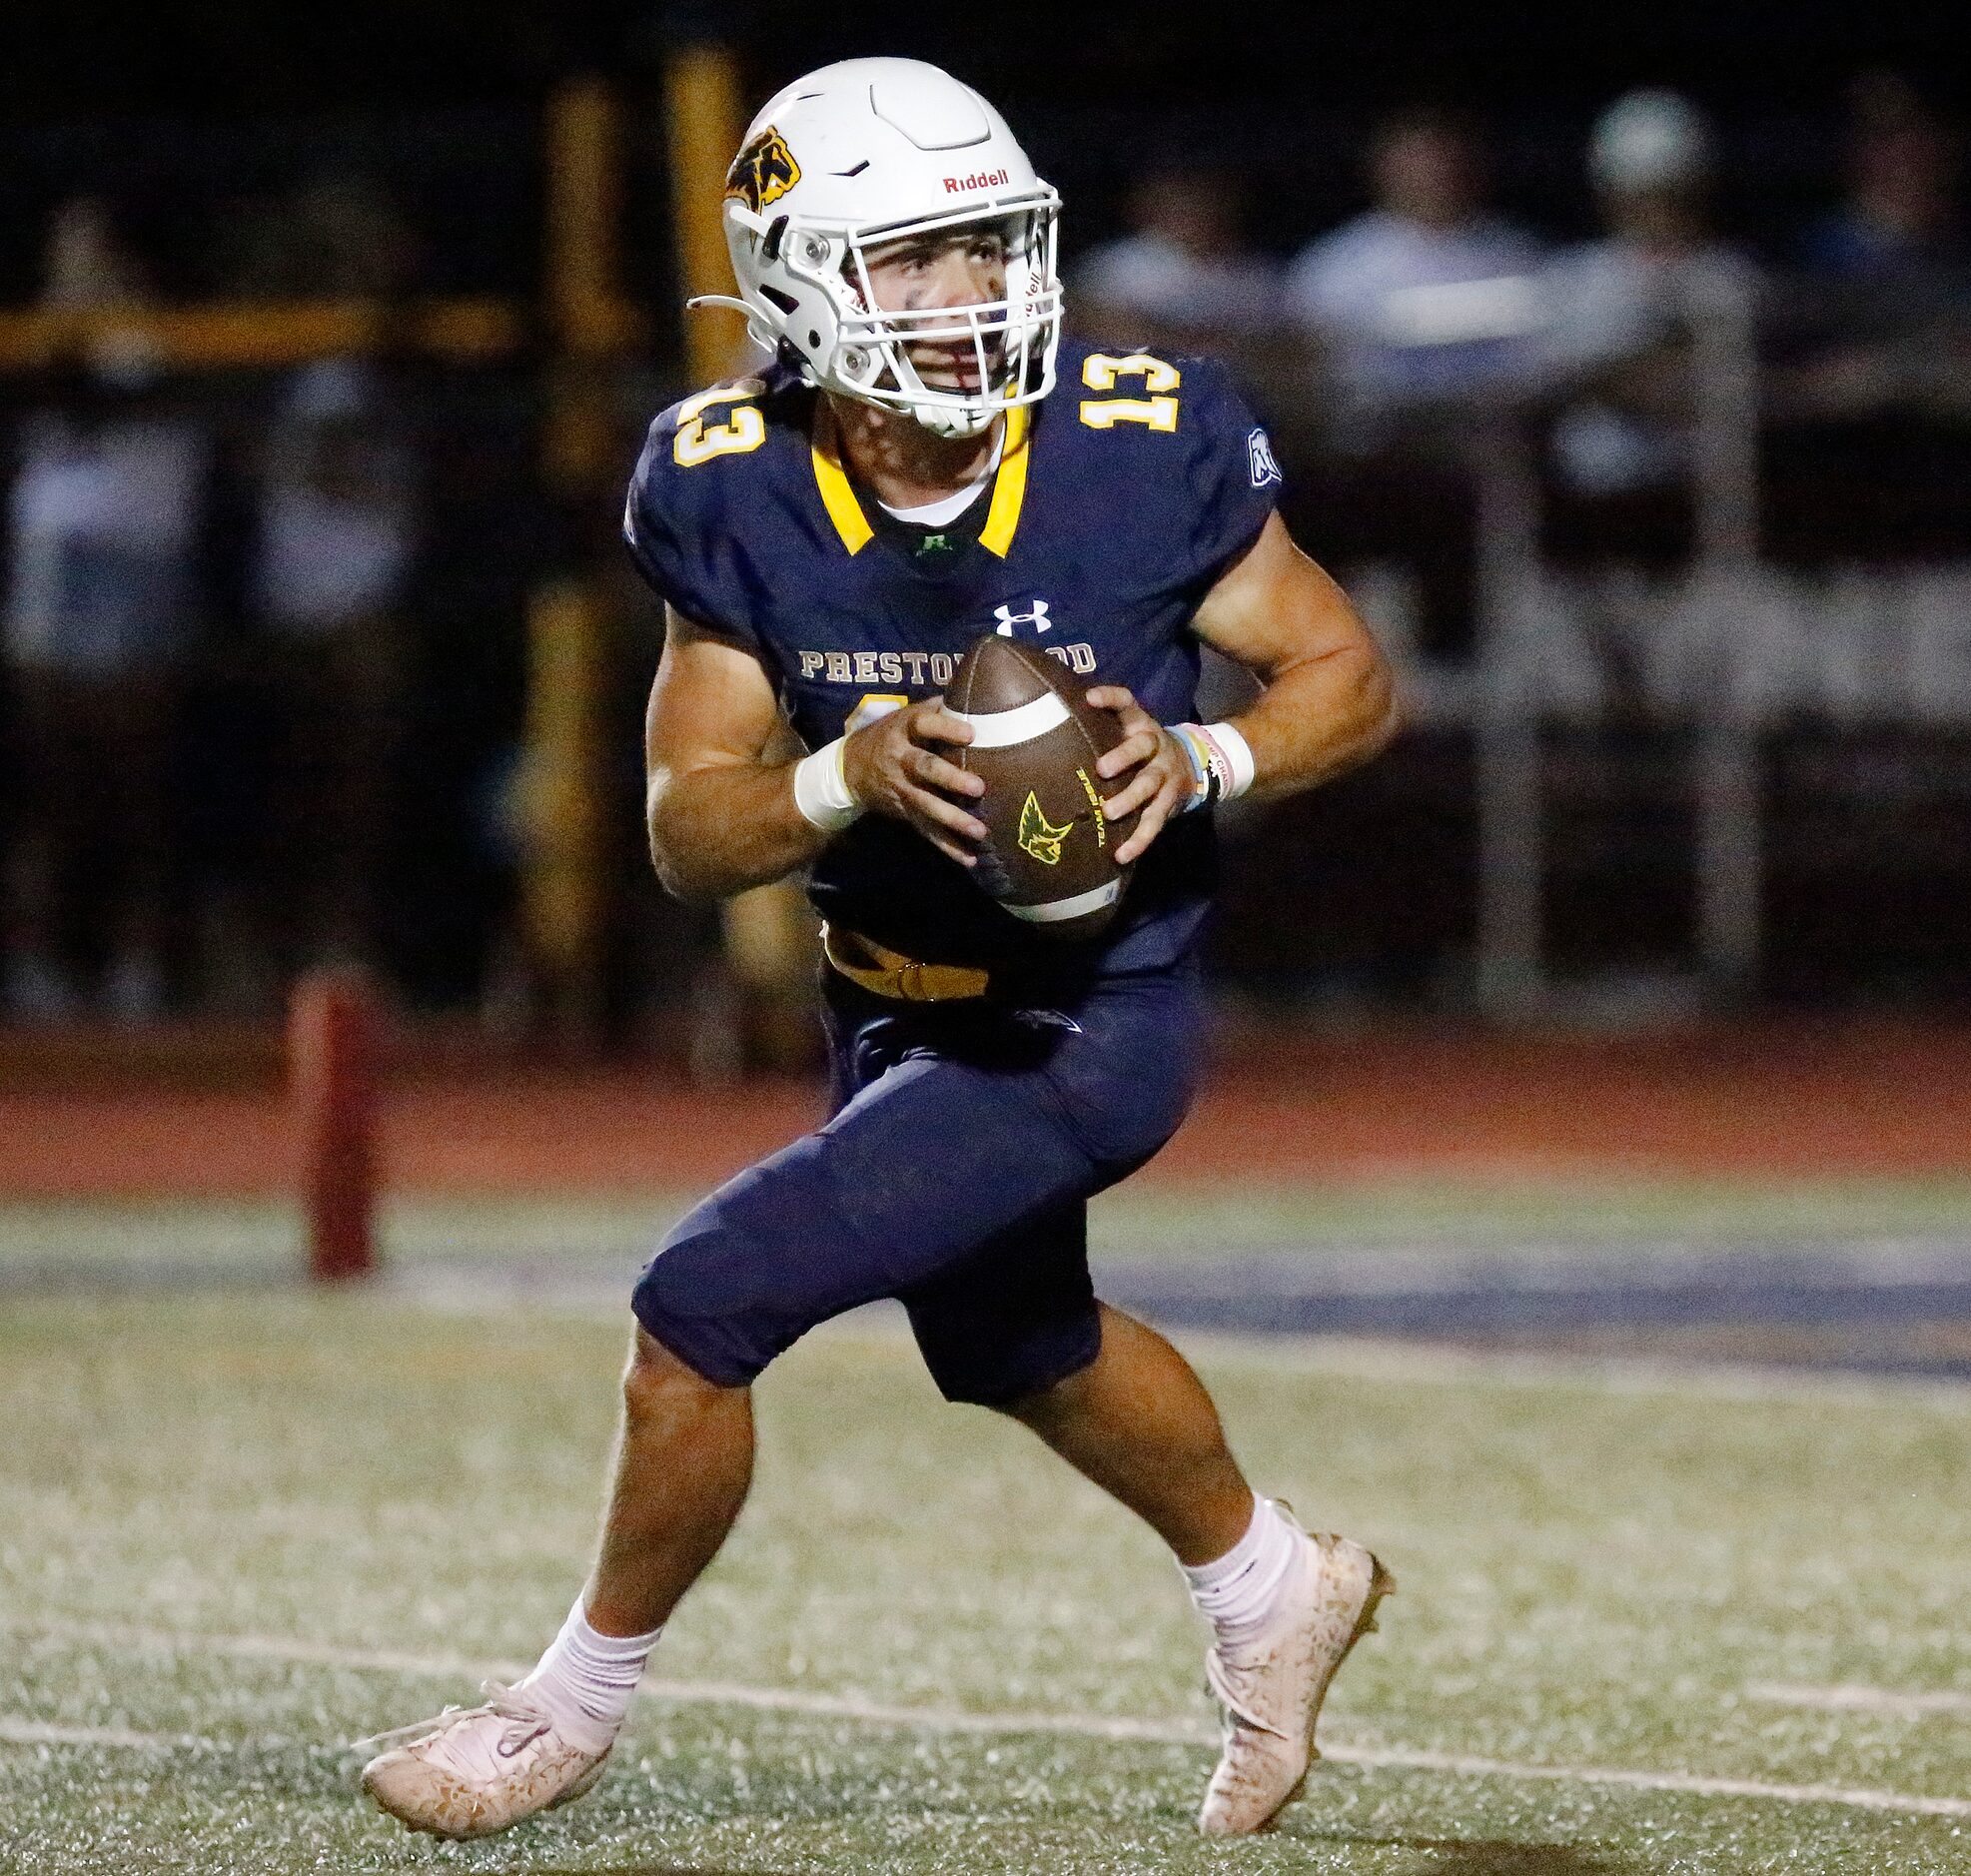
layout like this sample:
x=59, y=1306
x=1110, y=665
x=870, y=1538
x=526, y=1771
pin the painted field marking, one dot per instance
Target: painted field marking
x=25, y=1732
x=275, y=1648
x=944, y=1720
x=1906, y=1803
x=1857, y=1699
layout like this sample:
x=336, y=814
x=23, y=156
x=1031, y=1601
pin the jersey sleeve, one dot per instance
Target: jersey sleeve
x=670, y=526
x=1234, y=479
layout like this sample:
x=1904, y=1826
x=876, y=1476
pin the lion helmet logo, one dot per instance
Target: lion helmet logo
x=763, y=171
x=1038, y=835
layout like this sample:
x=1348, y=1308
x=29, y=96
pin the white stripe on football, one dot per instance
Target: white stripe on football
x=1001, y=729
x=1057, y=909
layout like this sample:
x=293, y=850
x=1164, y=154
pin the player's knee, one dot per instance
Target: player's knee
x=727, y=1290
x=712, y=1262
x=655, y=1378
x=693, y=1301
x=659, y=1293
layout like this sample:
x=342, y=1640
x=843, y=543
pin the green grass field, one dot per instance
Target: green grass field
x=237, y=1530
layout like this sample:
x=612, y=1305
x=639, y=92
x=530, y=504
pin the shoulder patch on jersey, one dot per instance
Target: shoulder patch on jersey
x=1259, y=459
x=763, y=171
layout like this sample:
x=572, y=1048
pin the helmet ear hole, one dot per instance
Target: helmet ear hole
x=784, y=300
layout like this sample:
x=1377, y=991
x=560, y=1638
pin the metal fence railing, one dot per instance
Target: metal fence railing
x=1743, y=619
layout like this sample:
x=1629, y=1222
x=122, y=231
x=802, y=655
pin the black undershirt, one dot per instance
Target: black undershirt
x=930, y=549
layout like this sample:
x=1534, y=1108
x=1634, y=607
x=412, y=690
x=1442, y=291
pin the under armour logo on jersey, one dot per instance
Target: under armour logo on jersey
x=1259, y=459
x=1008, y=618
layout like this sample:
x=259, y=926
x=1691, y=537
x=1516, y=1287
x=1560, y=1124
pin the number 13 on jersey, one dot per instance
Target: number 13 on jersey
x=699, y=440
x=1099, y=372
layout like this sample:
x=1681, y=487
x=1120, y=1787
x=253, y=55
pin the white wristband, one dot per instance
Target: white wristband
x=1238, y=752
x=1221, y=762
x=821, y=790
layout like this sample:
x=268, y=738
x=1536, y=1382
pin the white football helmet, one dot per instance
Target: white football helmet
x=867, y=152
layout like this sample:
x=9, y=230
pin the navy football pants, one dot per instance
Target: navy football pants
x=967, y=1138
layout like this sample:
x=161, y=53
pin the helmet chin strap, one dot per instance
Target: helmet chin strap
x=943, y=421
x=949, y=420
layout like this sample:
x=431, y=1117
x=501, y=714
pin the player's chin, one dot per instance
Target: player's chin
x=951, y=369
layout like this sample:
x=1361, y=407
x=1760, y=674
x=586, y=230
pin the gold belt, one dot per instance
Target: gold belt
x=890, y=974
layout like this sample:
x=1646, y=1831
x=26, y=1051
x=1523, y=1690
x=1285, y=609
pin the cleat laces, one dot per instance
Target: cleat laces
x=525, y=1720
x=1219, y=1675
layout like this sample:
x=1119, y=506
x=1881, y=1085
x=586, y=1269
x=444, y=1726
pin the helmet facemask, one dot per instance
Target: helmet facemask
x=1010, y=341
x=815, y=298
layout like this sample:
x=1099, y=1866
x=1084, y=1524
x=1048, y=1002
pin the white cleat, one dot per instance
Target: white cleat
x=1273, y=1690
x=472, y=1771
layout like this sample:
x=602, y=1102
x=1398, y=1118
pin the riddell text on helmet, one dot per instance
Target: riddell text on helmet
x=989, y=179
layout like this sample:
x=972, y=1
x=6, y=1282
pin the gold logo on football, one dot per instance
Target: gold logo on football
x=1038, y=835
x=763, y=171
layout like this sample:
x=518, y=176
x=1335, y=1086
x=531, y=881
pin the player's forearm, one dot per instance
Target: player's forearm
x=1318, y=719
x=719, y=830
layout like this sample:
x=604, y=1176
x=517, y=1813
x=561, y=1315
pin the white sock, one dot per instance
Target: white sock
x=585, y=1678
x=1235, y=1592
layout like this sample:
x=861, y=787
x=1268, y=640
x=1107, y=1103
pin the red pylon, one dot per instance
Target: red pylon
x=332, y=1066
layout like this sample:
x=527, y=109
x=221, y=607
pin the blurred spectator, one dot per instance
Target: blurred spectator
x=88, y=263
x=339, y=236
x=338, y=530
x=1419, y=306
x=1620, y=310
x=1898, y=220
x=1183, y=276
x=103, y=521
x=1425, y=297
x=1894, y=272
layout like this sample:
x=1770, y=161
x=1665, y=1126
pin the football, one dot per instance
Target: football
x=1050, y=858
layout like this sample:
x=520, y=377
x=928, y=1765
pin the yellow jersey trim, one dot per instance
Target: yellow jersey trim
x=836, y=494
x=1009, y=487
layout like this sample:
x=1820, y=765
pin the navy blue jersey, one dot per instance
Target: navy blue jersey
x=1117, y=503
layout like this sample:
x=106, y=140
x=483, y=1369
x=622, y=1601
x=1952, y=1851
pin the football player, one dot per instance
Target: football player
x=922, y=461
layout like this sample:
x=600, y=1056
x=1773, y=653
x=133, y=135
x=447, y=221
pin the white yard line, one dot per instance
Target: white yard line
x=923, y=1719
x=25, y=1732
x=277, y=1648
x=1404, y=1759
x=1855, y=1700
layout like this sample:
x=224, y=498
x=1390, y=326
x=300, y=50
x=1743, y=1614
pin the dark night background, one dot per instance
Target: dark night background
x=232, y=61
x=1093, y=91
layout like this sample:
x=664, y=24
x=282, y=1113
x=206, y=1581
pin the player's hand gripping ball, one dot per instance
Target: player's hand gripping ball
x=1050, y=854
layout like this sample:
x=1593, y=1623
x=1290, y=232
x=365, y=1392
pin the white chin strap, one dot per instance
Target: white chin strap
x=944, y=419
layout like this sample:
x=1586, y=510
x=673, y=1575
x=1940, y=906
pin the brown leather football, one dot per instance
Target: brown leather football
x=1050, y=859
